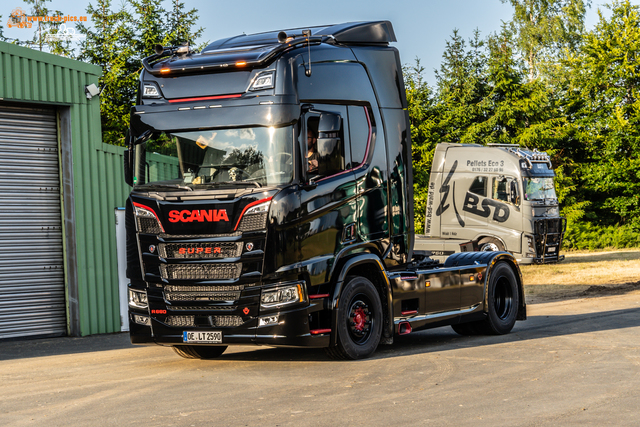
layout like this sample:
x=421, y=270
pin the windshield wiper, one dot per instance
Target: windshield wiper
x=230, y=183
x=178, y=186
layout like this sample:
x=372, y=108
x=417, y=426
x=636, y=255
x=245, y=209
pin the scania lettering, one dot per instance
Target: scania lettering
x=200, y=216
x=492, y=198
x=272, y=202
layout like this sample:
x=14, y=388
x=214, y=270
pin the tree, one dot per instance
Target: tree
x=424, y=136
x=179, y=27
x=110, y=44
x=545, y=27
x=47, y=31
x=604, y=97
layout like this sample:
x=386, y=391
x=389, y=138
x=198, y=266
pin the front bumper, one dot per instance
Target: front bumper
x=291, y=330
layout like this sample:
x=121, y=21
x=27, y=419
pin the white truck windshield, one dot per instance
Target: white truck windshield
x=539, y=189
x=255, y=156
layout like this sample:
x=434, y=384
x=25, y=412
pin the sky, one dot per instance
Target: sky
x=422, y=27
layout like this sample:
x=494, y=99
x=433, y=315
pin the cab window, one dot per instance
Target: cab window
x=479, y=186
x=506, y=190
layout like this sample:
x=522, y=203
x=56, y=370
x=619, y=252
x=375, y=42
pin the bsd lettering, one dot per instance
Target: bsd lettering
x=500, y=213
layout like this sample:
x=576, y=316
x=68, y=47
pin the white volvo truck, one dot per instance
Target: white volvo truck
x=492, y=198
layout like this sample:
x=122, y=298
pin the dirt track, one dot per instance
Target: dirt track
x=583, y=275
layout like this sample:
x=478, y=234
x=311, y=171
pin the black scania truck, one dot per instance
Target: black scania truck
x=272, y=202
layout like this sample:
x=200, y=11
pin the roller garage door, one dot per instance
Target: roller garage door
x=32, y=295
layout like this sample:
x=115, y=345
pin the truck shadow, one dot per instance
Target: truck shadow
x=535, y=327
x=444, y=338
x=423, y=342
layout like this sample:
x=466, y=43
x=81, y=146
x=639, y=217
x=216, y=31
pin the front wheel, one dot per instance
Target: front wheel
x=199, y=352
x=489, y=244
x=360, y=320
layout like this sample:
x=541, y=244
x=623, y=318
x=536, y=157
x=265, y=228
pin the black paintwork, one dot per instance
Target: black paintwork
x=318, y=232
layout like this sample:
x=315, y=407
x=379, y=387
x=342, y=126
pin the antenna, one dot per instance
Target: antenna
x=307, y=34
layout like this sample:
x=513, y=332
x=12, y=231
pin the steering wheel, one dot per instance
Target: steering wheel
x=288, y=157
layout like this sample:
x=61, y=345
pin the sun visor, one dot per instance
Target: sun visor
x=199, y=85
x=144, y=118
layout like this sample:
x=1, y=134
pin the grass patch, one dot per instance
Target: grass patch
x=582, y=273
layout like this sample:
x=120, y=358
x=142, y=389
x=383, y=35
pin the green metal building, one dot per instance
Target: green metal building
x=59, y=185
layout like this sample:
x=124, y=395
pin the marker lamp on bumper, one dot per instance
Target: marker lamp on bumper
x=138, y=299
x=142, y=320
x=282, y=295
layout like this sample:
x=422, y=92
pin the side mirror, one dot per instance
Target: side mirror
x=330, y=144
x=513, y=193
x=128, y=161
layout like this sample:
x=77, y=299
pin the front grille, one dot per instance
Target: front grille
x=180, y=321
x=200, y=288
x=223, y=271
x=200, y=236
x=148, y=225
x=201, y=250
x=253, y=222
x=201, y=296
x=226, y=321
x=203, y=307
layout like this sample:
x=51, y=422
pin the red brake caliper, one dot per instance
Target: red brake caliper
x=359, y=318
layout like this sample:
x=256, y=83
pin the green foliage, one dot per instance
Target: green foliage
x=543, y=82
x=45, y=33
x=545, y=27
x=118, y=40
x=109, y=45
x=589, y=236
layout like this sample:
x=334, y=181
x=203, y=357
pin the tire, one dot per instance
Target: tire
x=199, y=352
x=360, y=320
x=503, y=300
x=489, y=244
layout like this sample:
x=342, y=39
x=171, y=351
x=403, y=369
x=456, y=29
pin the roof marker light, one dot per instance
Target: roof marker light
x=165, y=70
x=241, y=63
x=262, y=81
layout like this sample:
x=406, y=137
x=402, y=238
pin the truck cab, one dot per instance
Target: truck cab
x=272, y=200
x=493, y=198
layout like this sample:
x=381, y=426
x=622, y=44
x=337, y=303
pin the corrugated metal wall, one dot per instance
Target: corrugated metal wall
x=99, y=191
x=92, y=179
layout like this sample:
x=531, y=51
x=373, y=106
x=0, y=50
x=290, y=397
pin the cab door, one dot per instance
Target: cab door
x=505, y=220
x=328, y=193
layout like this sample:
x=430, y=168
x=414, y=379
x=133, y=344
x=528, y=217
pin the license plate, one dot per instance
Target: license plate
x=551, y=249
x=214, y=337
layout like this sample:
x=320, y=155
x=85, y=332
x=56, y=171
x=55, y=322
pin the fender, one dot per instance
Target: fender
x=462, y=259
x=349, y=264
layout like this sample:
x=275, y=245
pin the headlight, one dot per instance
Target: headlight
x=532, y=247
x=282, y=295
x=147, y=220
x=138, y=299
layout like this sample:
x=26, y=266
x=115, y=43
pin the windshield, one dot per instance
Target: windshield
x=539, y=189
x=188, y=160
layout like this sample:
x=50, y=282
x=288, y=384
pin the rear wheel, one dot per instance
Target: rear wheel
x=489, y=244
x=503, y=300
x=360, y=320
x=199, y=352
